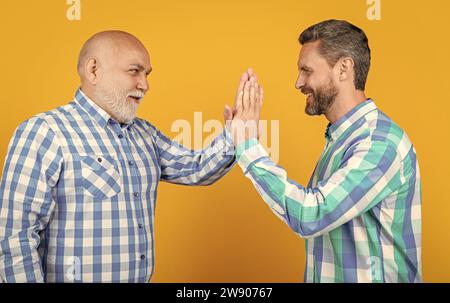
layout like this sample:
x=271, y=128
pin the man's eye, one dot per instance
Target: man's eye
x=134, y=71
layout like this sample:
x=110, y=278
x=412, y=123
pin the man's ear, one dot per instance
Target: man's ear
x=91, y=70
x=345, y=69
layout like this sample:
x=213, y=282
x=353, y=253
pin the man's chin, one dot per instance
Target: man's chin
x=309, y=113
x=310, y=110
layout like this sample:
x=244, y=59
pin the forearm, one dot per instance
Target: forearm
x=203, y=167
x=271, y=182
x=19, y=239
x=347, y=193
x=22, y=217
x=19, y=259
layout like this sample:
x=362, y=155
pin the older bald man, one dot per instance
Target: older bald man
x=78, y=190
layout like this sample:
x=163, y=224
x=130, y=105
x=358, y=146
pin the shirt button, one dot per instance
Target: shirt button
x=136, y=195
x=120, y=136
x=131, y=163
x=142, y=257
x=99, y=159
x=140, y=226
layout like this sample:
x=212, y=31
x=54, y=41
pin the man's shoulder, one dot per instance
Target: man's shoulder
x=50, y=116
x=40, y=126
x=60, y=111
x=385, y=130
x=47, y=118
x=383, y=126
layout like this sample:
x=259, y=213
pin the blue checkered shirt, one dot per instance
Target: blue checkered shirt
x=78, y=193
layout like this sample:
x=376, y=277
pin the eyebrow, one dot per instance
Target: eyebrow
x=305, y=68
x=141, y=68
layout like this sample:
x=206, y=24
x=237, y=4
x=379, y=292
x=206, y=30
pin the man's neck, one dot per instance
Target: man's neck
x=343, y=104
x=87, y=92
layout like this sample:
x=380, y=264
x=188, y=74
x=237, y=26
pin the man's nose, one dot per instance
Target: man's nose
x=143, y=84
x=300, y=82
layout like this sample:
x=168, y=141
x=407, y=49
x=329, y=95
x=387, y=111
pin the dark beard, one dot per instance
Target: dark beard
x=323, y=99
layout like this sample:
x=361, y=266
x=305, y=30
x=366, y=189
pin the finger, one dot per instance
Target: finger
x=227, y=113
x=261, y=95
x=246, y=97
x=253, y=97
x=258, y=101
x=257, y=98
x=251, y=73
x=244, y=78
x=228, y=116
x=238, y=99
x=239, y=103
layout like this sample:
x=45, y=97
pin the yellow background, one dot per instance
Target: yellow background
x=225, y=233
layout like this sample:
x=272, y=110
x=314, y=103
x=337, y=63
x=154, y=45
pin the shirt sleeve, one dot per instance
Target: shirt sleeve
x=184, y=166
x=368, y=173
x=31, y=171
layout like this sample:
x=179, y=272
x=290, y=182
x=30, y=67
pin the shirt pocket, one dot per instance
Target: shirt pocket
x=100, y=175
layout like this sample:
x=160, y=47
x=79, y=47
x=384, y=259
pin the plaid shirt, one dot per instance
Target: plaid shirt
x=78, y=193
x=361, y=211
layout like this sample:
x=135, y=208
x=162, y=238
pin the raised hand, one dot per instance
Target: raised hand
x=246, y=112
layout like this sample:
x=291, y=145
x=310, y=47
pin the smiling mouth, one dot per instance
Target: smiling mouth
x=306, y=92
x=308, y=95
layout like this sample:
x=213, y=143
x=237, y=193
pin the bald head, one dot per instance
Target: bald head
x=105, y=46
x=113, y=68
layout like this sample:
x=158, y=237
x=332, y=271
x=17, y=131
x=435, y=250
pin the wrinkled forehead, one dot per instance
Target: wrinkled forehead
x=129, y=52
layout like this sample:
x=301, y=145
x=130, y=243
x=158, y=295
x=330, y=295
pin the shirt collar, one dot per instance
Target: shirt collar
x=336, y=129
x=94, y=111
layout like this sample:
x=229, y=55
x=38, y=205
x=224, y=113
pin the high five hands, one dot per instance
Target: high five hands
x=243, y=120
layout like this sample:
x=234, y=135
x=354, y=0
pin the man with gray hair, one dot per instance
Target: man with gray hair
x=361, y=211
x=78, y=191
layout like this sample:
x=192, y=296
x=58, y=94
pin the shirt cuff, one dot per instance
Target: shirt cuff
x=229, y=148
x=248, y=152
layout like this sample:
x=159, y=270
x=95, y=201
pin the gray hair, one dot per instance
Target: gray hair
x=338, y=39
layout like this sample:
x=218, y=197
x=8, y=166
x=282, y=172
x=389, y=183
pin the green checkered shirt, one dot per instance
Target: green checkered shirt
x=361, y=211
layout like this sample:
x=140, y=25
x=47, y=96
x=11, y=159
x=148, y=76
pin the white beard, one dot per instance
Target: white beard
x=115, y=100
